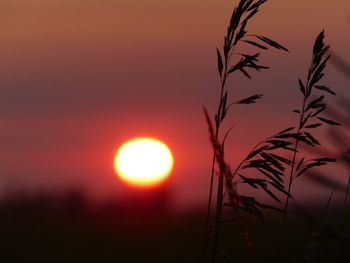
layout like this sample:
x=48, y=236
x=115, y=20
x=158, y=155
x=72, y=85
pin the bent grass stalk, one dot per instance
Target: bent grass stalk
x=236, y=33
x=262, y=159
x=309, y=115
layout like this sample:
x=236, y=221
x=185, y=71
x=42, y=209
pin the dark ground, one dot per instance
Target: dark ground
x=68, y=229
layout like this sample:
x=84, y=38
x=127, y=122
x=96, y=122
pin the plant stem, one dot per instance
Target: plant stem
x=329, y=201
x=209, y=200
x=210, y=190
x=221, y=179
x=214, y=158
x=218, y=216
x=292, y=171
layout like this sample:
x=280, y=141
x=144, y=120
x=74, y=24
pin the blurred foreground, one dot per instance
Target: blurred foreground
x=143, y=228
x=43, y=228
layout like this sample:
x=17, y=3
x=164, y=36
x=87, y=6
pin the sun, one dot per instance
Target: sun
x=143, y=162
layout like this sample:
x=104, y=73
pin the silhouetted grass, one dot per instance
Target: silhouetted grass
x=141, y=228
x=309, y=115
x=266, y=165
x=229, y=61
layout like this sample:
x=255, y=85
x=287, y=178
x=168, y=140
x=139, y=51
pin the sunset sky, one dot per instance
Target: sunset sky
x=79, y=77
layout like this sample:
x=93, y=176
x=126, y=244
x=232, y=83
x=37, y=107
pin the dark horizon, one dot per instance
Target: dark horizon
x=79, y=78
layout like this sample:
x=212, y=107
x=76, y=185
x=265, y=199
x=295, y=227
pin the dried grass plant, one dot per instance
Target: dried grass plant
x=229, y=61
x=310, y=117
x=265, y=168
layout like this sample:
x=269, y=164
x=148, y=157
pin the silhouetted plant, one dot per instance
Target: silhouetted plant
x=340, y=140
x=329, y=240
x=227, y=65
x=310, y=117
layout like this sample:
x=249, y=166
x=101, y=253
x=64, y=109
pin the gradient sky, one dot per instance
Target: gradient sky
x=78, y=77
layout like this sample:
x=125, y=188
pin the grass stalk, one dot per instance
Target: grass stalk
x=292, y=170
x=218, y=218
x=329, y=202
x=220, y=189
x=309, y=116
x=236, y=34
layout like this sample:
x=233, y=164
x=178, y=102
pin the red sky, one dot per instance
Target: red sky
x=79, y=77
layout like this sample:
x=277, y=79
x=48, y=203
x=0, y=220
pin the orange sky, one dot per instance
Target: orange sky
x=78, y=77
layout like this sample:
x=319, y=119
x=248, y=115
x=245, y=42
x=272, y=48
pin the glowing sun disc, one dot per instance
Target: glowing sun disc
x=143, y=162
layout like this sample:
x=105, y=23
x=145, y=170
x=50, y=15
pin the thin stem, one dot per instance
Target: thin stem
x=210, y=190
x=329, y=201
x=221, y=176
x=218, y=216
x=290, y=180
x=292, y=171
x=223, y=82
x=210, y=201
